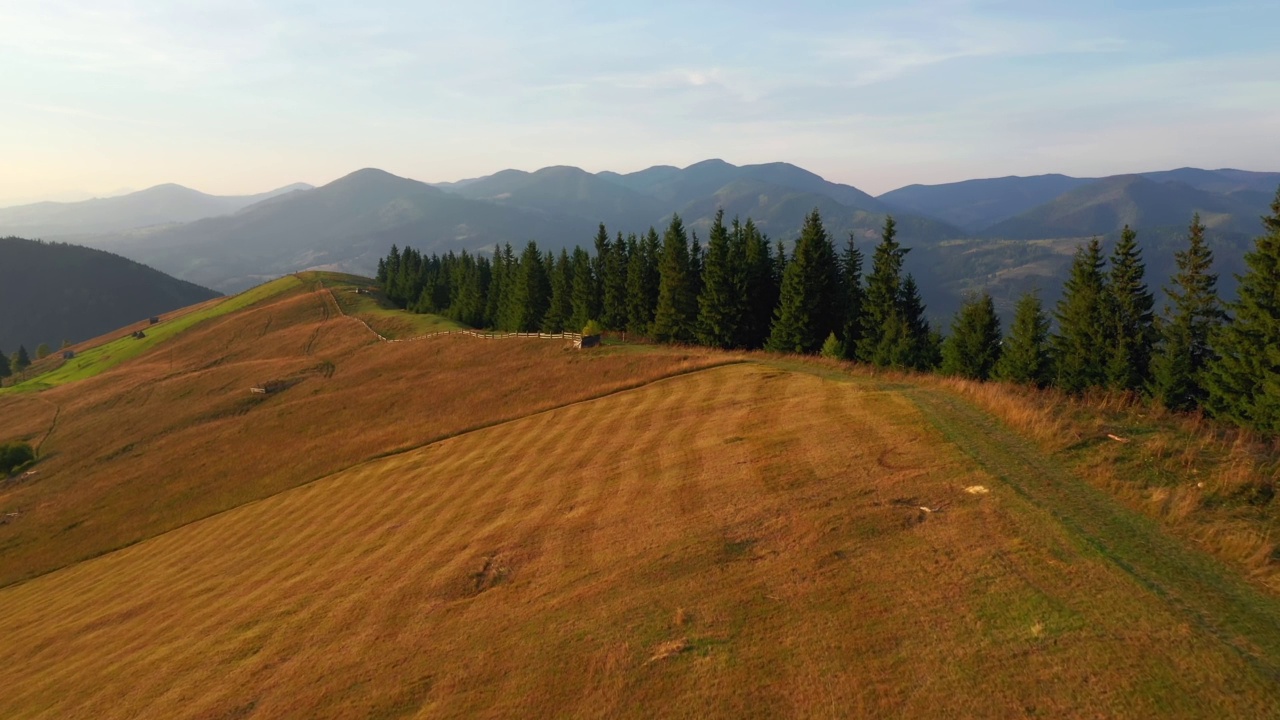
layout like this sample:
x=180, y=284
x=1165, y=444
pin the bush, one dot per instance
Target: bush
x=14, y=455
x=592, y=328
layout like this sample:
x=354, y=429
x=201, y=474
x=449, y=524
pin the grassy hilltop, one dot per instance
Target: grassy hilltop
x=460, y=527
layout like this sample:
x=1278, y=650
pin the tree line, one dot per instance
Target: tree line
x=742, y=291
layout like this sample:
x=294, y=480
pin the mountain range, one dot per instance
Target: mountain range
x=1008, y=234
x=160, y=205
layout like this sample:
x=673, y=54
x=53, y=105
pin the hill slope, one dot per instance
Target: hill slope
x=159, y=205
x=50, y=292
x=536, y=531
x=672, y=545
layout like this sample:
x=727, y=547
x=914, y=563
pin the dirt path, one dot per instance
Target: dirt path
x=1196, y=585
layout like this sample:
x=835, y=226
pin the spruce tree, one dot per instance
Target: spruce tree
x=532, y=291
x=973, y=348
x=583, y=290
x=695, y=265
x=1130, y=304
x=560, y=309
x=884, y=286
x=761, y=288
x=20, y=360
x=925, y=345
x=853, y=298
x=676, y=314
x=1081, y=347
x=642, y=283
x=598, y=263
x=808, y=299
x=1244, y=380
x=1192, y=318
x=1024, y=357
x=613, y=310
x=5, y=370
x=722, y=304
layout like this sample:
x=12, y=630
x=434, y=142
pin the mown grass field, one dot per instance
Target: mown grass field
x=742, y=541
x=456, y=527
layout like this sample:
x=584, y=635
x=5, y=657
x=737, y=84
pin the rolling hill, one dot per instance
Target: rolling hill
x=159, y=205
x=634, y=531
x=51, y=292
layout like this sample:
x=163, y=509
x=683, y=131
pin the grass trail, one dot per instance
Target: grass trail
x=1197, y=586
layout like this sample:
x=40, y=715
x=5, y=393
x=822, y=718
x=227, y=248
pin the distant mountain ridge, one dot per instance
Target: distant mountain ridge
x=1054, y=206
x=1008, y=234
x=351, y=222
x=1104, y=206
x=50, y=292
x=159, y=205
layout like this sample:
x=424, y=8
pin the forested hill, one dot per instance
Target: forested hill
x=50, y=292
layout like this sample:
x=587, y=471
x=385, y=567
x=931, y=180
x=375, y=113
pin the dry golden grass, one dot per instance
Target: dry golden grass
x=740, y=542
x=1212, y=484
x=455, y=527
x=175, y=435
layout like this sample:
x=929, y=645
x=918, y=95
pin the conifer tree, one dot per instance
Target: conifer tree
x=676, y=315
x=722, y=304
x=613, y=312
x=642, y=283
x=499, y=284
x=598, y=263
x=5, y=370
x=808, y=298
x=925, y=349
x=560, y=309
x=1080, y=347
x=1132, y=327
x=761, y=287
x=1025, y=352
x=20, y=360
x=884, y=286
x=532, y=292
x=1244, y=380
x=1192, y=318
x=973, y=348
x=853, y=298
x=695, y=265
x=584, y=290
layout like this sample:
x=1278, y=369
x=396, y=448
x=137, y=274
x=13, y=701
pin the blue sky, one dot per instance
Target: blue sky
x=234, y=96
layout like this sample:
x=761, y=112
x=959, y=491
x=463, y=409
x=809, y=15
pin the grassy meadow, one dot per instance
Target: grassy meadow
x=460, y=528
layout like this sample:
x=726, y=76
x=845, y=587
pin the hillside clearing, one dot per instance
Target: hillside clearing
x=741, y=541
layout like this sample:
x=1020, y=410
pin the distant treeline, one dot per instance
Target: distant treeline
x=741, y=291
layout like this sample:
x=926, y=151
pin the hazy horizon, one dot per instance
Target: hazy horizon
x=231, y=98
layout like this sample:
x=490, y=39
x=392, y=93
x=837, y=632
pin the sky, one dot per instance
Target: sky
x=239, y=96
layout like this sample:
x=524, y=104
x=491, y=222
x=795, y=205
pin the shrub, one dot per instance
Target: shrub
x=14, y=455
x=592, y=328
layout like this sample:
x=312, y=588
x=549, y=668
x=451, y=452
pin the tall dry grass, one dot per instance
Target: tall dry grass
x=1208, y=481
